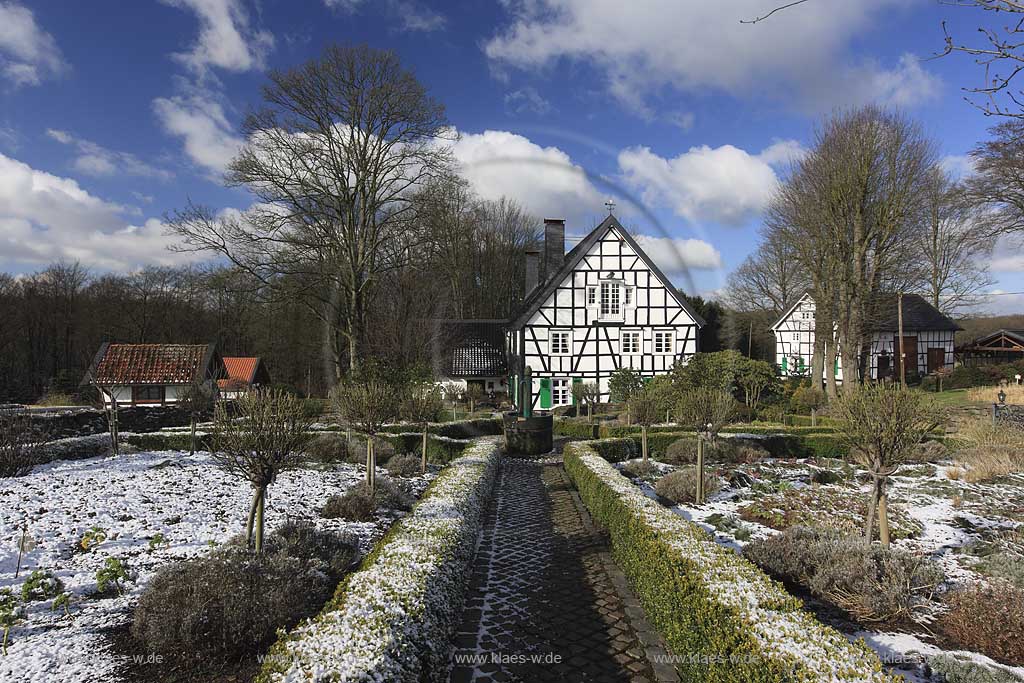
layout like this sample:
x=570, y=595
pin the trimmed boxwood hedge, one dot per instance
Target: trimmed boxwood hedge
x=581, y=430
x=724, y=620
x=463, y=429
x=393, y=619
x=164, y=441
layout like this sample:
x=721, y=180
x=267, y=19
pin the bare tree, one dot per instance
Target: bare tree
x=453, y=391
x=706, y=411
x=421, y=404
x=882, y=424
x=367, y=405
x=645, y=410
x=22, y=444
x=196, y=400
x=334, y=158
x=265, y=438
x=952, y=246
x=770, y=279
x=474, y=394
x=997, y=185
x=586, y=394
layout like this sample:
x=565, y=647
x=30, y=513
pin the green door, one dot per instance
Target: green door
x=575, y=381
x=784, y=363
x=545, y=392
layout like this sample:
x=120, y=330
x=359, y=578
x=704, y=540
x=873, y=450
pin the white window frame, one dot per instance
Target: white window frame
x=562, y=348
x=627, y=297
x=591, y=295
x=560, y=386
x=610, y=300
x=671, y=342
x=637, y=336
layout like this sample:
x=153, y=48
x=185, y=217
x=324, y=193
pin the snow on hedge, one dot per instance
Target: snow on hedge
x=780, y=630
x=392, y=620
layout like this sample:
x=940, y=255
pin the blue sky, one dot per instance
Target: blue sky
x=113, y=113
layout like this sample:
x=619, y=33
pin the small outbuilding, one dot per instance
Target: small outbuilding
x=1001, y=346
x=472, y=352
x=243, y=373
x=152, y=374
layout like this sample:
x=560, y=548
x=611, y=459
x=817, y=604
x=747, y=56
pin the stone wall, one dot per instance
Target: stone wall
x=1007, y=414
x=63, y=423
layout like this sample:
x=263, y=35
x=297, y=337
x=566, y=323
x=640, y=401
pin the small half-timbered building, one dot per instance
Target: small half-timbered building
x=472, y=352
x=1001, y=346
x=603, y=306
x=927, y=338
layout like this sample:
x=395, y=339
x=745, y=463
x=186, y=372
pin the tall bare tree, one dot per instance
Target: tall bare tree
x=997, y=184
x=335, y=156
x=770, y=279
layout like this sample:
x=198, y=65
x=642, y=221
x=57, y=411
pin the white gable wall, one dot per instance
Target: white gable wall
x=595, y=344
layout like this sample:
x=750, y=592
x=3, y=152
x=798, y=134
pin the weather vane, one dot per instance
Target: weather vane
x=610, y=205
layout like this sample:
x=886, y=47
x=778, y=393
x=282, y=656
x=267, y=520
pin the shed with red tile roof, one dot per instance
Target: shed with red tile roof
x=243, y=373
x=152, y=374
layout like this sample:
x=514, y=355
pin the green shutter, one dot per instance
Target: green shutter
x=572, y=396
x=800, y=364
x=835, y=368
x=545, y=392
x=785, y=363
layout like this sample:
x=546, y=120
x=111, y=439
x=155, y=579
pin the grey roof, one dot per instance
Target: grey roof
x=535, y=299
x=472, y=348
x=1015, y=335
x=918, y=315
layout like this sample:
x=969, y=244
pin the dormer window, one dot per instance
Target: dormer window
x=611, y=300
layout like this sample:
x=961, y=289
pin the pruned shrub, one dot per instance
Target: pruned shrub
x=989, y=619
x=930, y=451
x=638, y=469
x=355, y=505
x=229, y=605
x=950, y=669
x=680, y=486
x=1006, y=566
x=732, y=451
x=392, y=495
x=871, y=583
x=406, y=465
x=328, y=449
x=22, y=444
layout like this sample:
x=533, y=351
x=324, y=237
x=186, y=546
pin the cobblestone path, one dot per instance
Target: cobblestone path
x=546, y=601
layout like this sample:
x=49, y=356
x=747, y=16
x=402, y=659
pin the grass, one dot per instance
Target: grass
x=958, y=397
x=1014, y=394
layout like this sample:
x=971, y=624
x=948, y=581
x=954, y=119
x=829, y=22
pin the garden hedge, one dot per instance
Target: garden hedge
x=581, y=430
x=724, y=620
x=440, y=450
x=393, y=619
x=463, y=429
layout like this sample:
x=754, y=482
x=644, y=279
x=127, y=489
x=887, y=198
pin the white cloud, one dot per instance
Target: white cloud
x=527, y=99
x=676, y=256
x=94, y=159
x=682, y=119
x=958, y=165
x=543, y=179
x=416, y=17
x=226, y=38
x=28, y=54
x=724, y=184
x=44, y=217
x=801, y=57
x=199, y=120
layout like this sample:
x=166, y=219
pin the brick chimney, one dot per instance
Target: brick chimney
x=532, y=270
x=554, y=246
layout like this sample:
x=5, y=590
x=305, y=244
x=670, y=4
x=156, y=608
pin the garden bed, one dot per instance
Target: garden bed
x=151, y=508
x=957, y=524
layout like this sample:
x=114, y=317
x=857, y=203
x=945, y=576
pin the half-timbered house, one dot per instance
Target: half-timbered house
x=927, y=338
x=603, y=306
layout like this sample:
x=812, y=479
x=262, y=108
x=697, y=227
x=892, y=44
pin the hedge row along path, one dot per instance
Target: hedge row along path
x=546, y=601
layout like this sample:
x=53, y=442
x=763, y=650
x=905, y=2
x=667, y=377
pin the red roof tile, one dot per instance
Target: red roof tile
x=242, y=369
x=152, y=364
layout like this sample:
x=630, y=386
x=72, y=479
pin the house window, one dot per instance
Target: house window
x=591, y=296
x=148, y=394
x=630, y=342
x=561, y=342
x=611, y=300
x=628, y=296
x=559, y=392
x=664, y=341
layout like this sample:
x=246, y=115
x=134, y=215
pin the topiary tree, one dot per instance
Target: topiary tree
x=586, y=394
x=367, y=405
x=622, y=384
x=810, y=400
x=267, y=436
x=421, y=404
x=474, y=394
x=706, y=411
x=196, y=399
x=755, y=378
x=453, y=394
x=664, y=393
x=882, y=425
x=645, y=410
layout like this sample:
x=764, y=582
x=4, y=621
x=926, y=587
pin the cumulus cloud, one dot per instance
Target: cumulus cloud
x=725, y=185
x=45, y=217
x=198, y=118
x=227, y=39
x=958, y=165
x=416, y=17
x=676, y=256
x=28, y=54
x=543, y=179
x=802, y=57
x=96, y=160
